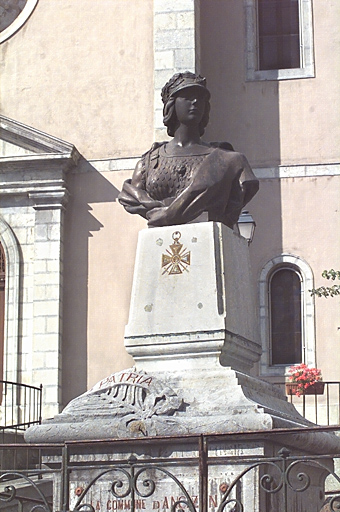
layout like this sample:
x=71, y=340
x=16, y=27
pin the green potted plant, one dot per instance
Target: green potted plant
x=304, y=381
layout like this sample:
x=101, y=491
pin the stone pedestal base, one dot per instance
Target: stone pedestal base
x=132, y=404
x=192, y=304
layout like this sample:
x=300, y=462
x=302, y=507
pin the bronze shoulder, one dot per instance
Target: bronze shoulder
x=222, y=145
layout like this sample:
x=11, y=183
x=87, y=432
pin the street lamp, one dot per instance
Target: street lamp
x=246, y=226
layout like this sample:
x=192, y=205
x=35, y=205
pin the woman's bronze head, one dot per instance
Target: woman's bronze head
x=172, y=88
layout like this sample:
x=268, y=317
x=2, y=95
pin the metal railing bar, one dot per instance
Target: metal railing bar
x=21, y=406
x=14, y=403
x=327, y=402
x=5, y=393
x=274, y=432
x=32, y=472
x=330, y=404
x=251, y=459
x=20, y=426
x=316, y=408
x=35, y=445
x=203, y=474
x=65, y=481
x=144, y=440
x=78, y=445
x=171, y=462
x=40, y=402
x=210, y=461
x=24, y=499
x=195, y=437
x=21, y=384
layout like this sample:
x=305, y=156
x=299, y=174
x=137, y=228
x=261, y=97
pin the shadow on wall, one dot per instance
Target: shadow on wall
x=86, y=186
x=244, y=113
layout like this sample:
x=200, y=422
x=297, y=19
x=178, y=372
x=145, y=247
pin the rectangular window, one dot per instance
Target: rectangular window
x=279, y=39
x=278, y=34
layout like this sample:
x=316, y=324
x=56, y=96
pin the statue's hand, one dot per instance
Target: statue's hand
x=157, y=217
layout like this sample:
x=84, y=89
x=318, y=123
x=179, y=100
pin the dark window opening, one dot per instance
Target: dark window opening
x=286, y=318
x=279, y=34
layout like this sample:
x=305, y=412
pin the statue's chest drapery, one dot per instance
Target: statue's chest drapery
x=169, y=175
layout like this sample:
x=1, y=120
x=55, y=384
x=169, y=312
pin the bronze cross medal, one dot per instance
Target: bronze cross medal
x=176, y=261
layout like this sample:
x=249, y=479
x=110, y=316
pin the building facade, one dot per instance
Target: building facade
x=80, y=102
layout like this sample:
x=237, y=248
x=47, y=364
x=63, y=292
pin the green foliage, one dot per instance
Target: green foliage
x=328, y=291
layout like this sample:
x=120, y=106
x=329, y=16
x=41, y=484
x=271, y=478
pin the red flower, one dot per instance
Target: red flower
x=303, y=377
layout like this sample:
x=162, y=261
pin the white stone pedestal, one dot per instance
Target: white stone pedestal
x=192, y=304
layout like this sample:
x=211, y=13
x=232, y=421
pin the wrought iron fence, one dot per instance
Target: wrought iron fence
x=21, y=406
x=323, y=409
x=222, y=473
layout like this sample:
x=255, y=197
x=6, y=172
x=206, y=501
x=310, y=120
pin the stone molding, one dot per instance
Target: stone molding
x=34, y=140
x=19, y=21
x=277, y=172
x=39, y=174
x=36, y=162
x=298, y=171
x=112, y=164
x=50, y=199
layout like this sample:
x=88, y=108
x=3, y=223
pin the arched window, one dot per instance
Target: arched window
x=10, y=258
x=285, y=316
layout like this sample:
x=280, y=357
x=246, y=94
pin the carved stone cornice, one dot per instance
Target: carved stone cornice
x=34, y=164
x=38, y=162
x=31, y=139
x=49, y=200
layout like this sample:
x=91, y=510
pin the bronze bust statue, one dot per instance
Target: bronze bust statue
x=176, y=181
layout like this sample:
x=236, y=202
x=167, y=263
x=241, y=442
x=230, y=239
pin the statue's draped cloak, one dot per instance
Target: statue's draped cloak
x=219, y=181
